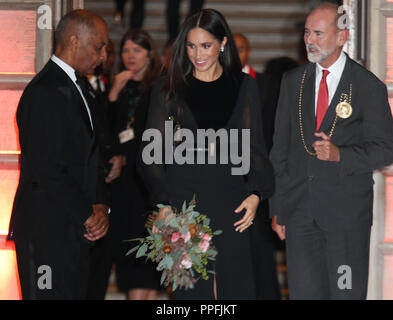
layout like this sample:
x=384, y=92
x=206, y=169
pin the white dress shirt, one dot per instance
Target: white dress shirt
x=95, y=81
x=70, y=71
x=246, y=68
x=333, y=78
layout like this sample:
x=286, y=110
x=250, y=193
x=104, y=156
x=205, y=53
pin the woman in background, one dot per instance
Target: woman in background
x=128, y=102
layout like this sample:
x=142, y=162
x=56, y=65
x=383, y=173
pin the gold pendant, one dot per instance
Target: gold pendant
x=344, y=110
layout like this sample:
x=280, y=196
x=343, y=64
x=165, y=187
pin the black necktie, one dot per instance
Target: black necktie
x=98, y=82
x=83, y=83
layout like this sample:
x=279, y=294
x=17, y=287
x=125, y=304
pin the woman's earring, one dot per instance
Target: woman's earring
x=222, y=49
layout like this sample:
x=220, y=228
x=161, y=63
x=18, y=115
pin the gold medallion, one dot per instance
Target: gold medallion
x=344, y=110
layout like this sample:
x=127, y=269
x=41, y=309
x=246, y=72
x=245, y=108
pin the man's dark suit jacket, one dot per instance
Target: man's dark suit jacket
x=342, y=192
x=60, y=179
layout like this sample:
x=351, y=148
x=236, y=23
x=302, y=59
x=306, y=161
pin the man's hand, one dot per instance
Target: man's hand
x=279, y=229
x=325, y=149
x=97, y=224
x=117, y=165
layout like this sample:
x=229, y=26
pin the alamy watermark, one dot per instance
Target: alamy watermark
x=44, y=21
x=345, y=280
x=181, y=147
x=44, y=281
x=344, y=20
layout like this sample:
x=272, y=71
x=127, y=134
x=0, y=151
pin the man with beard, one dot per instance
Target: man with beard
x=333, y=128
x=60, y=205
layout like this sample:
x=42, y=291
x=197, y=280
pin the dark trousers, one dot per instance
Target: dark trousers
x=173, y=15
x=101, y=258
x=326, y=262
x=52, y=268
x=137, y=12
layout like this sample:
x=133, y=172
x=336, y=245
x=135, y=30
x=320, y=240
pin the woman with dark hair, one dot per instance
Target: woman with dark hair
x=205, y=89
x=128, y=102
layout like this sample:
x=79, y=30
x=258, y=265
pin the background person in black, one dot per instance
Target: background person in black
x=265, y=240
x=173, y=14
x=129, y=99
x=137, y=12
x=60, y=205
x=217, y=95
x=101, y=254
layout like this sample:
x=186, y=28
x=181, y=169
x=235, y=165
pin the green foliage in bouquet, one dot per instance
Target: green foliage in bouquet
x=182, y=247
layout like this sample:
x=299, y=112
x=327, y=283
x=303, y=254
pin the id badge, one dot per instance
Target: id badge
x=126, y=135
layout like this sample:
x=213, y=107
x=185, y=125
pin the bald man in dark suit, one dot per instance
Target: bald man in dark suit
x=60, y=207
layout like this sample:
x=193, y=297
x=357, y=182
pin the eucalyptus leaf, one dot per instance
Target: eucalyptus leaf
x=142, y=250
x=176, y=255
x=194, y=214
x=183, y=229
x=168, y=261
x=136, y=239
x=217, y=232
x=132, y=250
x=184, y=207
x=163, y=206
x=174, y=286
x=161, y=265
x=206, y=221
x=157, y=237
x=163, y=276
x=173, y=222
x=195, y=260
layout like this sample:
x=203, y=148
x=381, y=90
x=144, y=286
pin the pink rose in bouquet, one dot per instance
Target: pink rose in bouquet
x=176, y=236
x=206, y=237
x=204, y=245
x=186, y=237
x=186, y=262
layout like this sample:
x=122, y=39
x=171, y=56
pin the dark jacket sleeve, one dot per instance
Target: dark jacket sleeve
x=280, y=151
x=152, y=151
x=260, y=177
x=376, y=147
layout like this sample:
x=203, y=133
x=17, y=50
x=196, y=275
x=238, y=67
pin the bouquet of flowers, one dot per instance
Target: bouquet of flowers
x=182, y=247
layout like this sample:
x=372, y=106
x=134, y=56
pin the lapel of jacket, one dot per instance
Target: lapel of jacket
x=308, y=103
x=82, y=108
x=343, y=87
x=70, y=90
